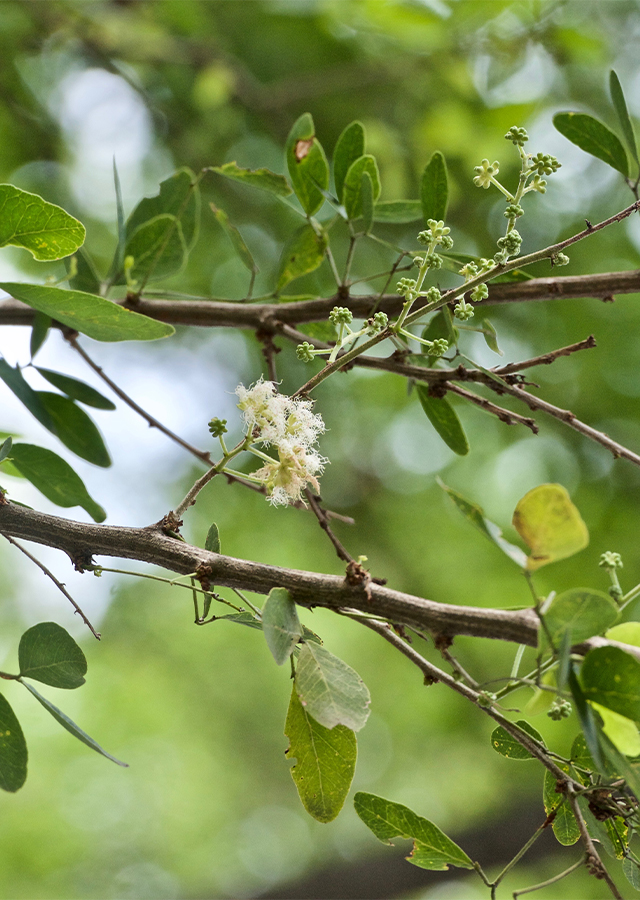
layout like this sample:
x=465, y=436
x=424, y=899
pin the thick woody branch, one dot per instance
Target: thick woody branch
x=213, y=313
x=81, y=542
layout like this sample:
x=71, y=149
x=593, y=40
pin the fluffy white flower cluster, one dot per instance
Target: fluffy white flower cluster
x=292, y=428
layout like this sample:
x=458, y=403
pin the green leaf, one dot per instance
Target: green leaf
x=349, y=147
x=581, y=612
x=587, y=719
x=564, y=826
x=75, y=389
x=549, y=524
x=87, y=277
x=49, y=654
x=71, y=726
x=307, y=164
x=352, y=189
x=179, y=197
x=593, y=137
x=445, y=420
x=325, y=761
x=98, y=318
x=54, y=478
x=5, y=448
x=158, y=248
x=366, y=198
x=75, y=429
x=280, y=624
x=434, y=189
x=330, y=690
x=46, y=230
x=39, y=332
x=259, y=178
x=16, y=382
x=432, y=849
x=620, y=105
x=243, y=618
x=212, y=542
x=118, y=257
x=508, y=746
x=631, y=870
x=626, y=633
x=302, y=254
x=476, y=517
x=622, y=732
x=13, y=750
x=235, y=237
x=490, y=336
x=397, y=212
x=611, y=677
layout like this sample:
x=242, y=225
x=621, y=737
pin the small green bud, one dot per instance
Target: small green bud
x=406, y=286
x=610, y=560
x=340, y=315
x=304, y=352
x=538, y=184
x=433, y=295
x=433, y=260
x=559, y=709
x=469, y=270
x=501, y=258
x=518, y=136
x=480, y=292
x=486, y=699
x=485, y=172
x=438, y=347
x=510, y=242
x=485, y=265
x=560, y=259
x=218, y=427
x=377, y=323
x=513, y=211
x=447, y=242
x=463, y=311
x=544, y=164
x=418, y=261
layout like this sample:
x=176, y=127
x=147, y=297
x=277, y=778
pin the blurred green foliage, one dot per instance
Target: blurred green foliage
x=208, y=808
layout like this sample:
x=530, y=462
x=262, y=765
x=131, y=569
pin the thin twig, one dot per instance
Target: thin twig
x=57, y=583
x=593, y=862
x=202, y=455
x=505, y=415
x=323, y=521
x=549, y=881
x=546, y=358
x=434, y=674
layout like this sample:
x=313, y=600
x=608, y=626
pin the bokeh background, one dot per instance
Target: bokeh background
x=207, y=808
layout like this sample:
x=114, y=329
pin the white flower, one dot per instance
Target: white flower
x=293, y=429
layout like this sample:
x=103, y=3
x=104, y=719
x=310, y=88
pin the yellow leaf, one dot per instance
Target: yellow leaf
x=550, y=525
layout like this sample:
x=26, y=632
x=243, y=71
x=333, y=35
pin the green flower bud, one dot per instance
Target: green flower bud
x=559, y=709
x=469, y=270
x=518, y=136
x=610, y=560
x=433, y=260
x=538, y=184
x=438, y=347
x=340, y=315
x=544, y=164
x=510, y=242
x=304, y=351
x=406, y=286
x=480, y=292
x=463, y=311
x=485, y=172
x=560, y=259
x=218, y=427
x=418, y=261
x=513, y=211
x=433, y=295
x=447, y=242
x=378, y=323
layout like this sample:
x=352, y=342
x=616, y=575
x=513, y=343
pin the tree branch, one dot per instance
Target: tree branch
x=217, y=313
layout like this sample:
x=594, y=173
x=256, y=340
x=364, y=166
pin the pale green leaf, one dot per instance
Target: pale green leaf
x=582, y=612
x=352, y=189
x=212, y=541
x=325, y=761
x=179, y=197
x=280, y=624
x=432, y=849
x=397, y=212
x=620, y=106
x=98, y=318
x=611, y=677
x=434, y=189
x=330, y=690
x=46, y=230
x=621, y=731
x=235, y=237
x=157, y=247
x=550, y=525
